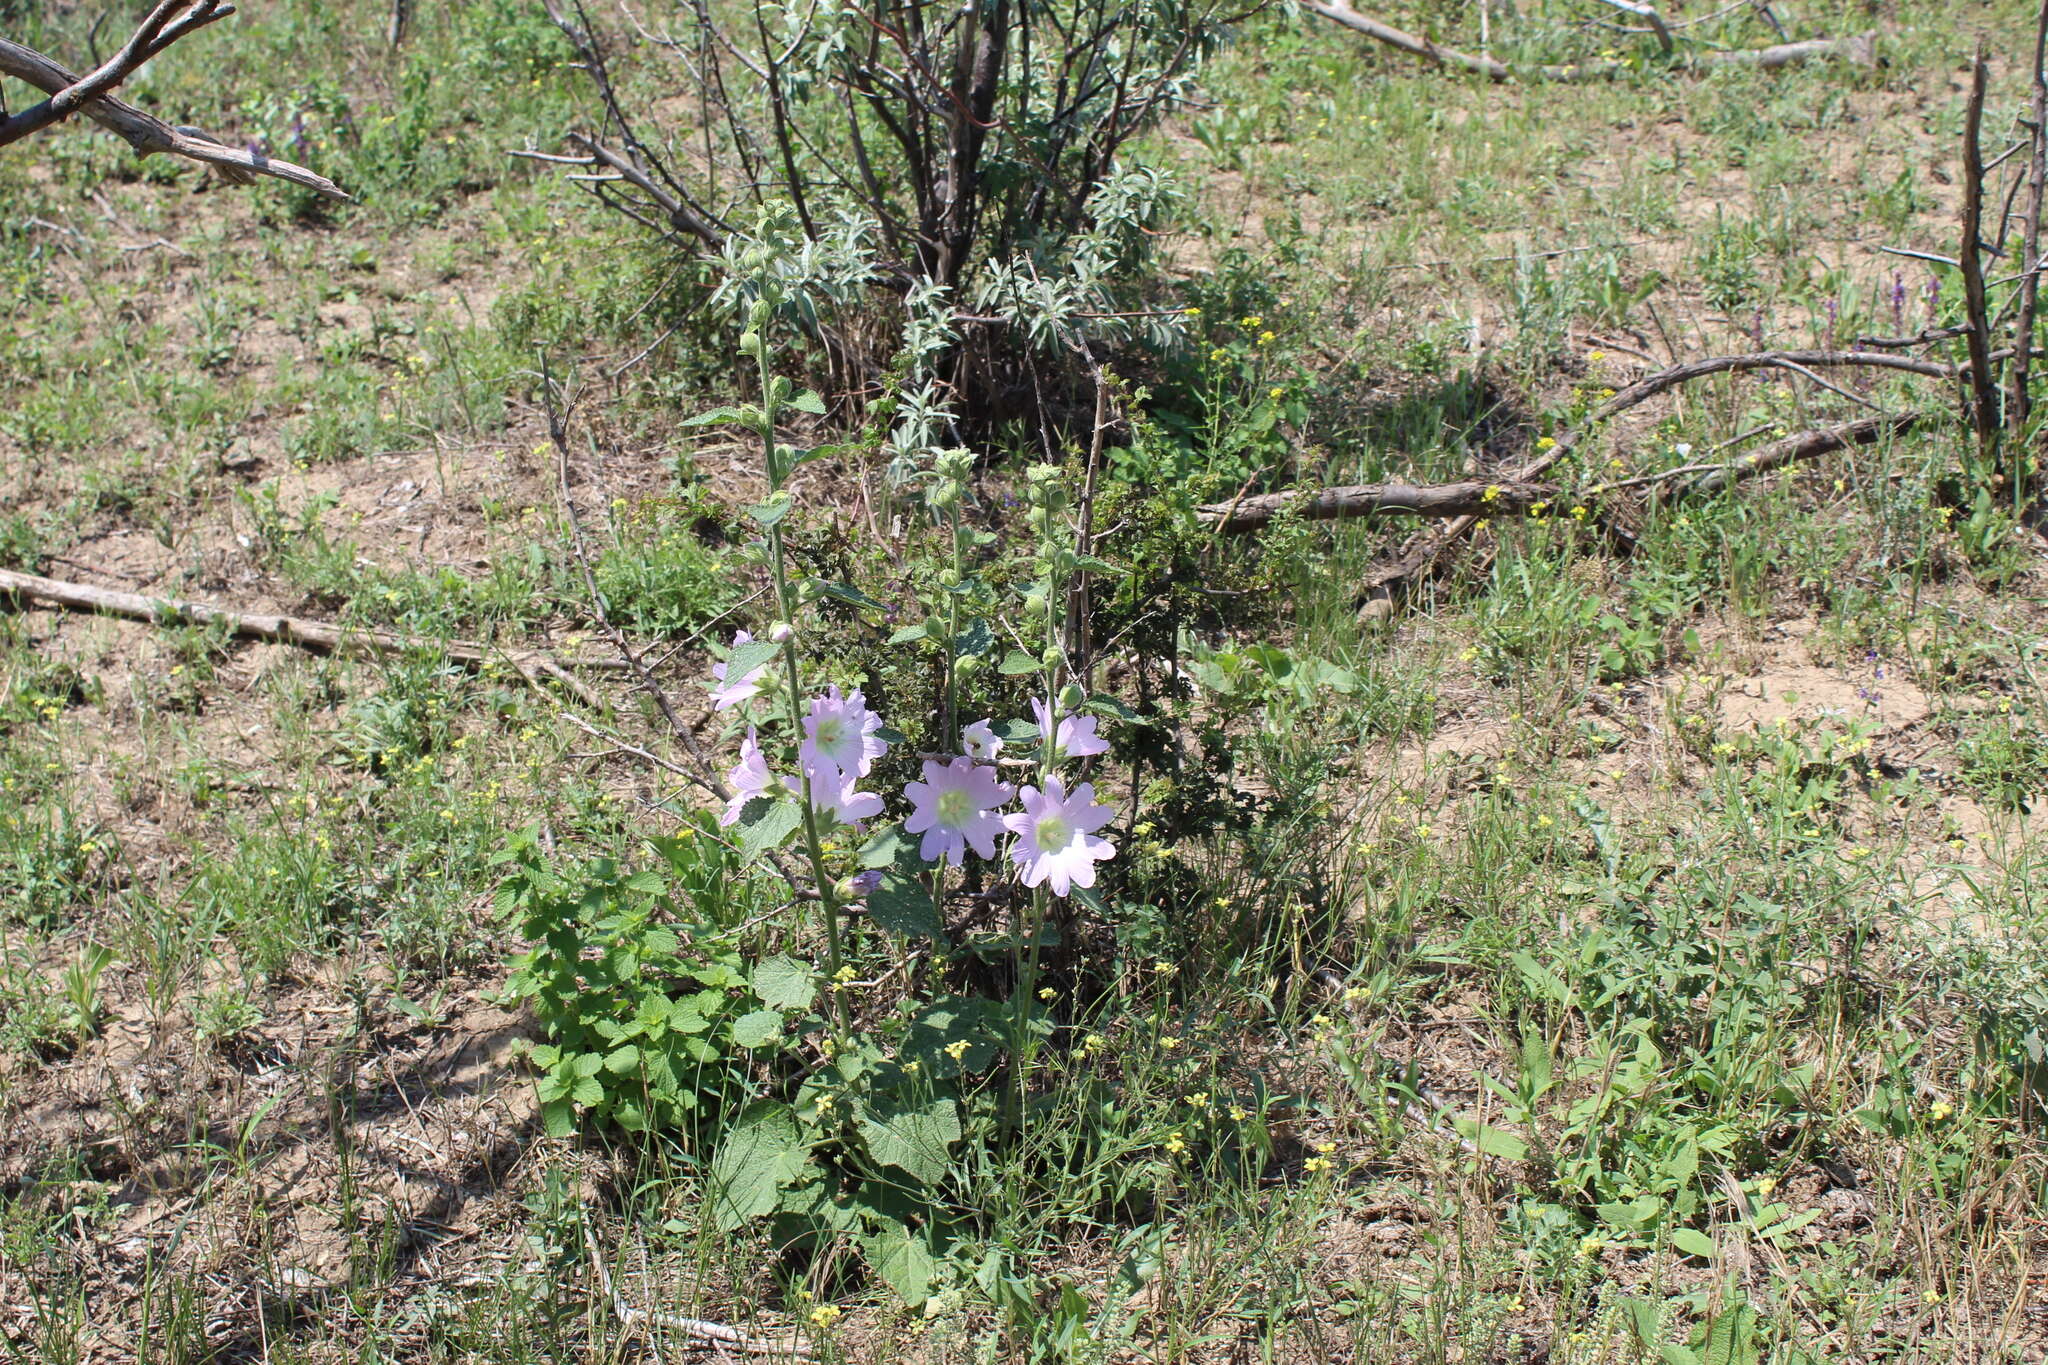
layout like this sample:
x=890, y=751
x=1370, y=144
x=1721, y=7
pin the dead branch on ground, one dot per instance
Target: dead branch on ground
x=91, y=95
x=1861, y=49
x=1478, y=498
x=321, y=637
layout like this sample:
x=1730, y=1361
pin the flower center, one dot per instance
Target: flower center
x=956, y=807
x=1053, y=833
x=831, y=733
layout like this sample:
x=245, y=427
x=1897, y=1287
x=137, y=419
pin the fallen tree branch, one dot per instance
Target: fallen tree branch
x=1861, y=48
x=147, y=133
x=1477, y=498
x=696, y=1329
x=1423, y=555
x=1471, y=497
x=321, y=637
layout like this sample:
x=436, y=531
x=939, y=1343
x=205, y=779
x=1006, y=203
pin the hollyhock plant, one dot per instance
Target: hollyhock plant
x=832, y=795
x=839, y=735
x=730, y=693
x=749, y=778
x=1056, y=842
x=1074, y=737
x=981, y=741
x=955, y=808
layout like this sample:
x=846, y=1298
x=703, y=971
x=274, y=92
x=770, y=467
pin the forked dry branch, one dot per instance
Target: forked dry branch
x=322, y=637
x=91, y=95
x=1860, y=48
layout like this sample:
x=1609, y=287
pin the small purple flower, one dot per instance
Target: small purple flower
x=955, y=808
x=864, y=883
x=1898, y=300
x=839, y=735
x=1073, y=737
x=1056, y=840
x=750, y=778
x=981, y=741
x=728, y=694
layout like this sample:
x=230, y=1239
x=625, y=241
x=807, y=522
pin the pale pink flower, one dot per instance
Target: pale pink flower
x=1056, y=841
x=839, y=735
x=832, y=795
x=728, y=694
x=981, y=741
x=1074, y=738
x=749, y=778
x=954, y=808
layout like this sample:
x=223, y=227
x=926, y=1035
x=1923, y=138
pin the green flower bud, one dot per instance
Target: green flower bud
x=1034, y=604
x=781, y=633
x=969, y=666
x=949, y=579
x=1071, y=697
x=750, y=343
x=759, y=311
x=1035, y=518
x=1051, y=658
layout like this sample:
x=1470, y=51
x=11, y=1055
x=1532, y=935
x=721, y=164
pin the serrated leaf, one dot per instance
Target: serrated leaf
x=756, y=1028
x=622, y=1060
x=585, y=1064
x=807, y=401
x=761, y=1154
x=887, y=847
x=587, y=1091
x=917, y=1140
x=744, y=659
x=1017, y=663
x=847, y=593
x=1015, y=731
x=745, y=416
x=910, y=634
x=783, y=983
x=559, y=1117
x=975, y=639
x=1104, y=704
x=900, y=1257
x=764, y=824
x=902, y=906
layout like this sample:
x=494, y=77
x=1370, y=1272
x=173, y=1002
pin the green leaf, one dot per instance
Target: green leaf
x=559, y=1116
x=587, y=1091
x=902, y=906
x=1731, y=1337
x=761, y=1154
x=903, y=1261
x=888, y=846
x=622, y=1060
x=1017, y=663
x=746, y=416
x=783, y=983
x=1693, y=1242
x=916, y=1140
x=764, y=824
x=910, y=633
x=768, y=514
x=807, y=401
x=752, y=1030
x=1110, y=706
x=1492, y=1141
x=847, y=593
x=951, y=1035
x=744, y=659
x=1541, y=979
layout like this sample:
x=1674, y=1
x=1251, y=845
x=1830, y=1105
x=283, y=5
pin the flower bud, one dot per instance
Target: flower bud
x=1035, y=518
x=846, y=889
x=1071, y=697
x=750, y=343
x=781, y=633
x=949, y=579
x=1051, y=658
x=969, y=666
x=1034, y=604
x=758, y=311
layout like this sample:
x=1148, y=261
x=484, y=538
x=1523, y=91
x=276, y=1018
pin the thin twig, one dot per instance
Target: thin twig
x=698, y=1329
x=1983, y=385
